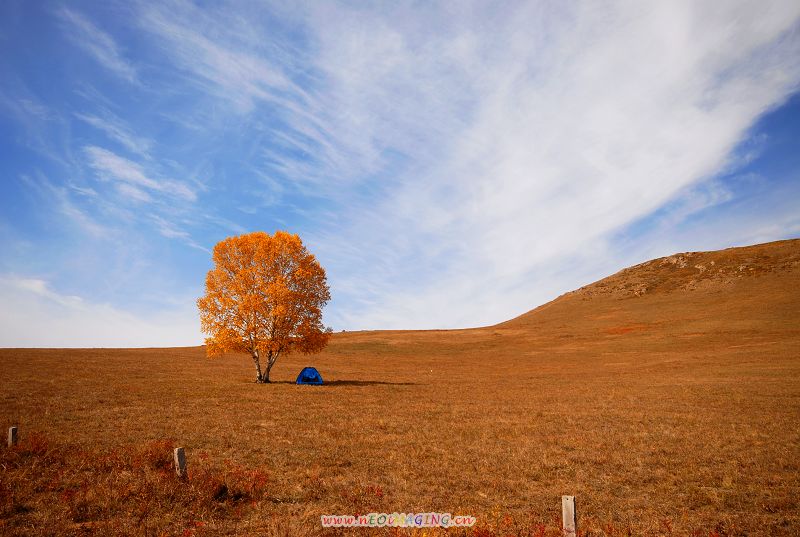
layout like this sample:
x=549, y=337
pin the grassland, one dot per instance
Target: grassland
x=666, y=398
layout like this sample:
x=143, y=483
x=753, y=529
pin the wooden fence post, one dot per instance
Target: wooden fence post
x=180, y=462
x=569, y=516
x=12, y=436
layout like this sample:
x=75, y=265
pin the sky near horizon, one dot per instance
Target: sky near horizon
x=450, y=164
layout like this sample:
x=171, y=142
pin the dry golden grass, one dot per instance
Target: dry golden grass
x=666, y=398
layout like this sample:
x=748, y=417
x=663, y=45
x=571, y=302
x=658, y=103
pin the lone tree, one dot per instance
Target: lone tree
x=264, y=297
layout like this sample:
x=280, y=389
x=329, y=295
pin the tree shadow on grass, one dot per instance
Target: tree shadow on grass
x=350, y=383
x=368, y=383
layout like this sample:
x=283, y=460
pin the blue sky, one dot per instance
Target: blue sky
x=451, y=165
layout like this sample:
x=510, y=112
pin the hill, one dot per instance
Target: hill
x=665, y=397
x=745, y=295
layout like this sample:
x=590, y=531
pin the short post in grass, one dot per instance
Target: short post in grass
x=12, y=436
x=180, y=462
x=569, y=516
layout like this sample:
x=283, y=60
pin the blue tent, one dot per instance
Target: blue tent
x=309, y=375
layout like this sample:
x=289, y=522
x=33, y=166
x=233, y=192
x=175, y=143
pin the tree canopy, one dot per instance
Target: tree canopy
x=264, y=297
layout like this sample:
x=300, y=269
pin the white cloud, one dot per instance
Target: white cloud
x=239, y=75
x=58, y=197
x=117, y=130
x=34, y=315
x=40, y=288
x=171, y=231
x=83, y=190
x=97, y=43
x=113, y=166
x=109, y=165
x=131, y=192
x=33, y=108
x=535, y=133
x=251, y=67
x=168, y=230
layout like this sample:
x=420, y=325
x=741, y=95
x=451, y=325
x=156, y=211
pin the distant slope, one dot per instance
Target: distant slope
x=748, y=292
x=690, y=271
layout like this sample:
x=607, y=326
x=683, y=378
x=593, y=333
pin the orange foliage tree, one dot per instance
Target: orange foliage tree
x=264, y=297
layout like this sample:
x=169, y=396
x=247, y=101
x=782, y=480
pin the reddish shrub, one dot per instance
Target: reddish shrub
x=158, y=455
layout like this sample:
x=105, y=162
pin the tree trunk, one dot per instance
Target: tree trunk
x=271, y=359
x=259, y=376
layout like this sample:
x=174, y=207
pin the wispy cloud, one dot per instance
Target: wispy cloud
x=52, y=195
x=40, y=288
x=171, y=231
x=567, y=131
x=109, y=165
x=36, y=122
x=35, y=315
x=167, y=199
x=116, y=129
x=227, y=224
x=35, y=109
x=238, y=75
x=97, y=43
x=315, y=143
x=134, y=193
